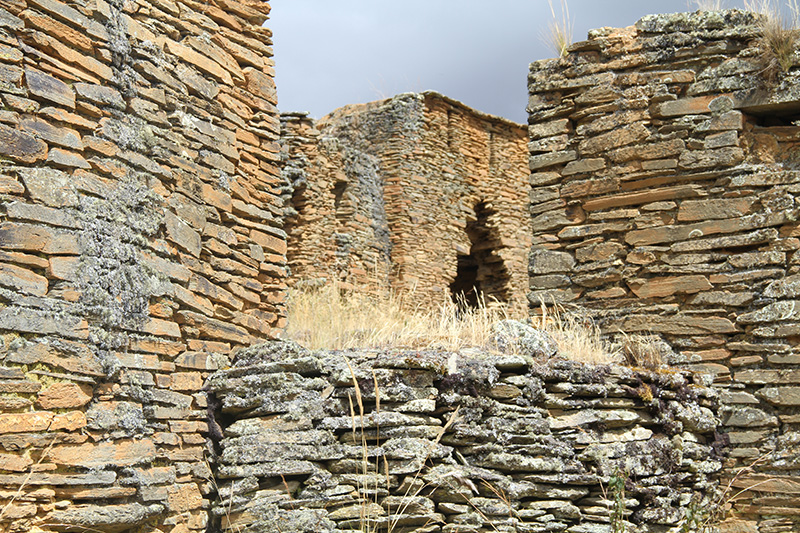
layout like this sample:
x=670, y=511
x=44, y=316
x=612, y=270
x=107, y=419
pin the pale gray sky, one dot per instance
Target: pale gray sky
x=330, y=53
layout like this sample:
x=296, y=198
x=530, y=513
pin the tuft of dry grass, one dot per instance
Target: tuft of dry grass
x=708, y=5
x=332, y=318
x=578, y=338
x=780, y=29
x=558, y=35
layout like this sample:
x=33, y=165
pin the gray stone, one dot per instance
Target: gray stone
x=513, y=337
x=20, y=146
x=100, y=94
x=50, y=88
x=110, y=518
x=542, y=261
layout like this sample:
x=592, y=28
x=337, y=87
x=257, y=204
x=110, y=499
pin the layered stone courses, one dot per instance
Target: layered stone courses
x=456, y=442
x=391, y=193
x=664, y=188
x=140, y=242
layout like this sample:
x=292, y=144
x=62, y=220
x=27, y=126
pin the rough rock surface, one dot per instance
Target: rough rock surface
x=140, y=242
x=670, y=149
x=445, y=442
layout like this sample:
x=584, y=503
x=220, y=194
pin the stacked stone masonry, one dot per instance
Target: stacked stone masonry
x=664, y=184
x=140, y=242
x=336, y=227
x=461, y=443
x=417, y=193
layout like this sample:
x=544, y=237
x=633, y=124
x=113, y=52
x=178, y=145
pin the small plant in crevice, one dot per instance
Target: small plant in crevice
x=780, y=29
x=558, y=35
x=614, y=496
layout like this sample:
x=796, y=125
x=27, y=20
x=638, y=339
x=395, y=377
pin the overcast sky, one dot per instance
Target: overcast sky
x=330, y=53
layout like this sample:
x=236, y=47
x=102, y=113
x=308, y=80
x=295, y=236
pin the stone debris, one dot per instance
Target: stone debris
x=438, y=450
x=673, y=156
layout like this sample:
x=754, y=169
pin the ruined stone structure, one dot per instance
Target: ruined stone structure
x=143, y=244
x=140, y=242
x=457, y=443
x=664, y=199
x=417, y=192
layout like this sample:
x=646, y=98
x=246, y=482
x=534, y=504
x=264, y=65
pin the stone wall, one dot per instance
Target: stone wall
x=435, y=188
x=140, y=242
x=664, y=173
x=460, y=443
x=336, y=226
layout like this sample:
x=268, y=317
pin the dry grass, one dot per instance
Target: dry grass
x=335, y=319
x=708, y=5
x=558, y=35
x=780, y=29
x=578, y=338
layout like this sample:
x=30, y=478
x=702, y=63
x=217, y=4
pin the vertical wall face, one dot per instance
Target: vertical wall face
x=337, y=223
x=462, y=217
x=429, y=194
x=140, y=241
x=395, y=441
x=664, y=184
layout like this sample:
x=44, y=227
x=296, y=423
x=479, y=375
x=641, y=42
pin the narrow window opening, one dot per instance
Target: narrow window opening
x=449, y=128
x=339, y=201
x=492, y=155
x=295, y=220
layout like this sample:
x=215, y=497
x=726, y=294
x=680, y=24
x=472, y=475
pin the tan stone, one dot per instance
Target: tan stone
x=644, y=197
x=14, y=463
x=22, y=280
x=118, y=454
x=186, y=381
x=675, y=325
x=785, y=396
x=738, y=526
x=199, y=60
x=25, y=422
x=662, y=287
x=686, y=106
x=64, y=396
x=693, y=210
x=269, y=242
x=630, y=134
x=71, y=421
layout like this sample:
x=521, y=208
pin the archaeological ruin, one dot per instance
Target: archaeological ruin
x=664, y=175
x=155, y=207
x=415, y=193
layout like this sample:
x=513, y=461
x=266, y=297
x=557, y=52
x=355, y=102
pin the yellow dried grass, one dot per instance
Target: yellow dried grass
x=780, y=29
x=332, y=318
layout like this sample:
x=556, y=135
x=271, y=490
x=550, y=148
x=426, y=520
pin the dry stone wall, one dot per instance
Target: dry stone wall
x=140, y=242
x=664, y=173
x=418, y=186
x=461, y=443
x=336, y=224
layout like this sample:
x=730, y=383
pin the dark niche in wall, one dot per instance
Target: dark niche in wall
x=481, y=273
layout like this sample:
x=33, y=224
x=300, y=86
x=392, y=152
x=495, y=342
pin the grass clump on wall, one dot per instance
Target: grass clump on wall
x=332, y=318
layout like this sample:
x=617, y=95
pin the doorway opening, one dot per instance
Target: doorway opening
x=481, y=275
